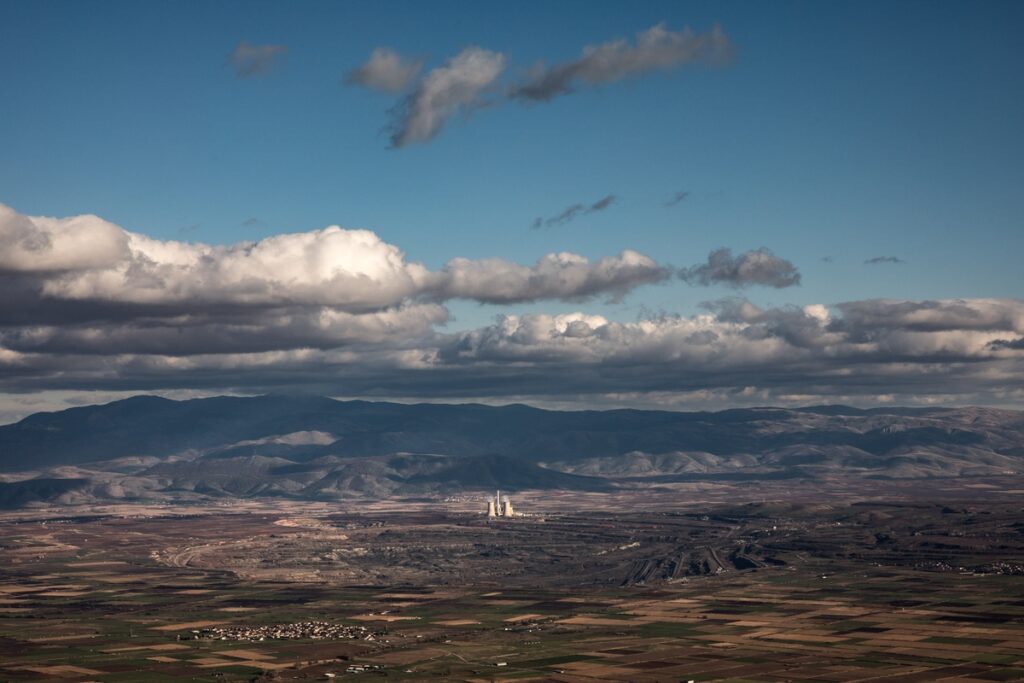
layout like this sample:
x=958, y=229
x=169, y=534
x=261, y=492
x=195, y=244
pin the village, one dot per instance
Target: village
x=303, y=630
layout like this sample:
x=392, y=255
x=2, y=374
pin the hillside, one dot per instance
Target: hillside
x=315, y=447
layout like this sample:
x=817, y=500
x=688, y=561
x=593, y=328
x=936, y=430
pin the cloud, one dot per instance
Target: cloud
x=1017, y=344
x=88, y=306
x=50, y=245
x=386, y=71
x=563, y=276
x=811, y=350
x=677, y=197
x=462, y=83
x=601, y=204
x=84, y=268
x=565, y=216
x=931, y=316
x=739, y=351
x=212, y=325
x=571, y=212
x=782, y=351
x=757, y=267
x=883, y=259
x=445, y=91
x=206, y=333
x=654, y=49
x=255, y=60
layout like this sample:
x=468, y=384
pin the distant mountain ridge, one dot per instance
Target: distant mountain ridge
x=316, y=447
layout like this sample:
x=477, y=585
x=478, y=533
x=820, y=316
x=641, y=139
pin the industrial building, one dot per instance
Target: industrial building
x=498, y=508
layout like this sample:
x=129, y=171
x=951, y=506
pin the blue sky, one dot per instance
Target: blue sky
x=847, y=130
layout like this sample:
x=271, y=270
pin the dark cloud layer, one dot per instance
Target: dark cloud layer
x=807, y=354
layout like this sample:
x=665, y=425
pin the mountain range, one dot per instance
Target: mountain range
x=309, y=447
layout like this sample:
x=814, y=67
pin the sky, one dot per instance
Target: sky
x=573, y=204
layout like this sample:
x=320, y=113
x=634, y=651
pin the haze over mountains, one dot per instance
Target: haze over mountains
x=150, y=448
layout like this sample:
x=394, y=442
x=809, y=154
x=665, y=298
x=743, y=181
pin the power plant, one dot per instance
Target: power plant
x=495, y=507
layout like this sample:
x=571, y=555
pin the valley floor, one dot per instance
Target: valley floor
x=709, y=582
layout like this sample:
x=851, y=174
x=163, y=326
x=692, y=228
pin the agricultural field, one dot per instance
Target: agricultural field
x=853, y=591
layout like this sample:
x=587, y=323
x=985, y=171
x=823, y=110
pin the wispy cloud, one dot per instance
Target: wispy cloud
x=677, y=197
x=462, y=82
x=251, y=60
x=655, y=49
x=456, y=87
x=571, y=212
